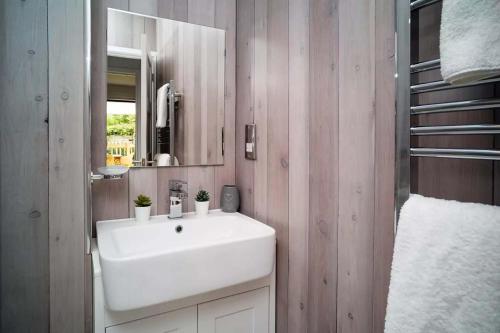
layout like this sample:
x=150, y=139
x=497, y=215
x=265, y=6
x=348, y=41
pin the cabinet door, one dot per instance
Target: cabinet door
x=243, y=313
x=179, y=321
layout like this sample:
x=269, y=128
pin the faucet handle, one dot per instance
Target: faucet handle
x=176, y=185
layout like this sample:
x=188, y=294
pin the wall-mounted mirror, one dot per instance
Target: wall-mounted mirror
x=165, y=92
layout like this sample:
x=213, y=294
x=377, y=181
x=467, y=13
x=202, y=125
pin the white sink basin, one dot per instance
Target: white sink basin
x=151, y=263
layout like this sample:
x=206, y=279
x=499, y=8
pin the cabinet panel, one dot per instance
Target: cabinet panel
x=179, y=321
x=243, y=313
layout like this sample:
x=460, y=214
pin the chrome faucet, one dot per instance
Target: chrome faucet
x=176, y=194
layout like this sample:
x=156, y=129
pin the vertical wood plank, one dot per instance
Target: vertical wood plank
x=356, y=168
x=384, y=158
x=277, y=191
x=225, y=18
x=117, y=4
x=260, y=103
x=299, y=165
x=24, y=206
x=323, y=167
x=143, y=181
x=173, y=9
x=147, y=7
x=201, y=12
x=67, y=178
x=244, y=100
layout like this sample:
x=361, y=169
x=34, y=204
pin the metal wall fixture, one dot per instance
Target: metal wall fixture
x=404, y=110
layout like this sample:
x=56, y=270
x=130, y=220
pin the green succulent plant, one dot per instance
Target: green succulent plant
x=202, y=196
x=142, y=201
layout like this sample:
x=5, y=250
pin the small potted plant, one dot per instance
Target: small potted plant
x=142, y=208
x=201, y=202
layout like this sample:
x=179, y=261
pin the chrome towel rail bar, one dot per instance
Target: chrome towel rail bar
x=455, y=130
x=443, y=85
x=425, y=66
x=475, y=104
x=475, y=154
x=421, y=3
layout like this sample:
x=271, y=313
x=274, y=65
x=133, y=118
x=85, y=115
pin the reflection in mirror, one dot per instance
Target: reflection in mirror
x=165, y=100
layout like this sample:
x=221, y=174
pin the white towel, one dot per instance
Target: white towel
x=446, y=268
x=162, y=106
x=470, y=40
x=164, y=160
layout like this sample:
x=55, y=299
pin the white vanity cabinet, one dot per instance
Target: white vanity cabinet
x=244, y=308
x=243, y=313
x=179, y=321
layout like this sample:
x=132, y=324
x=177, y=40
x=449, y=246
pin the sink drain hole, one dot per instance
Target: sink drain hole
x=178, y=229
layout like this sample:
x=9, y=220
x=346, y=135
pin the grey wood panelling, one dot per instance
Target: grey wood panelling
x=245, y=20
x=323, y=166
x=306, y=75
x=356, y=166
x=146, y=7
x=225, y=18
x=299, y=169
x=383, y=241
x=67, y=178
x=173, y=9
x=111, y=199
x=260, y=108
x=24, y=219
x=277, y=147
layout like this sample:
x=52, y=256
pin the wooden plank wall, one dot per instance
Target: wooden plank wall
x=317, y=77
x=113, y=199
x=67, y=165
x=43, y=164
x=24, y=173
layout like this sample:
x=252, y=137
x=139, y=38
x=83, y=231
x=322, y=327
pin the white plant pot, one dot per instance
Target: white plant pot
x=201, y=207
x=142, y=213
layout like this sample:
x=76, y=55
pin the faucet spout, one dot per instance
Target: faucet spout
x=176, y=194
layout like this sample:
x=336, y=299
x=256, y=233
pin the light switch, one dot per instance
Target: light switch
x=250, y=137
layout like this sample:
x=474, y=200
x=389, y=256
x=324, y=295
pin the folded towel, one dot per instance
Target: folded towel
x=470, y=40
x=162, y=106
x=446, y=268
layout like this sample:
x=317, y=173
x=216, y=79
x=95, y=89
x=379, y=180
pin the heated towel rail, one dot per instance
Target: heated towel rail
x=405, y=110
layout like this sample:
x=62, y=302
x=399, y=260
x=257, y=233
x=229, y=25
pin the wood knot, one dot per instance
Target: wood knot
x=34, y=214
x=284, y=163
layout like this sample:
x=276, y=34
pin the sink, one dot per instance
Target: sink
x=162, y=260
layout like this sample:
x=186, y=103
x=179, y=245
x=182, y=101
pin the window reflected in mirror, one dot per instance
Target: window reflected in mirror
x=120, y=132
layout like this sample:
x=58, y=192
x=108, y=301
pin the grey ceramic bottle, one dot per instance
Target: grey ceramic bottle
x=230, y=199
